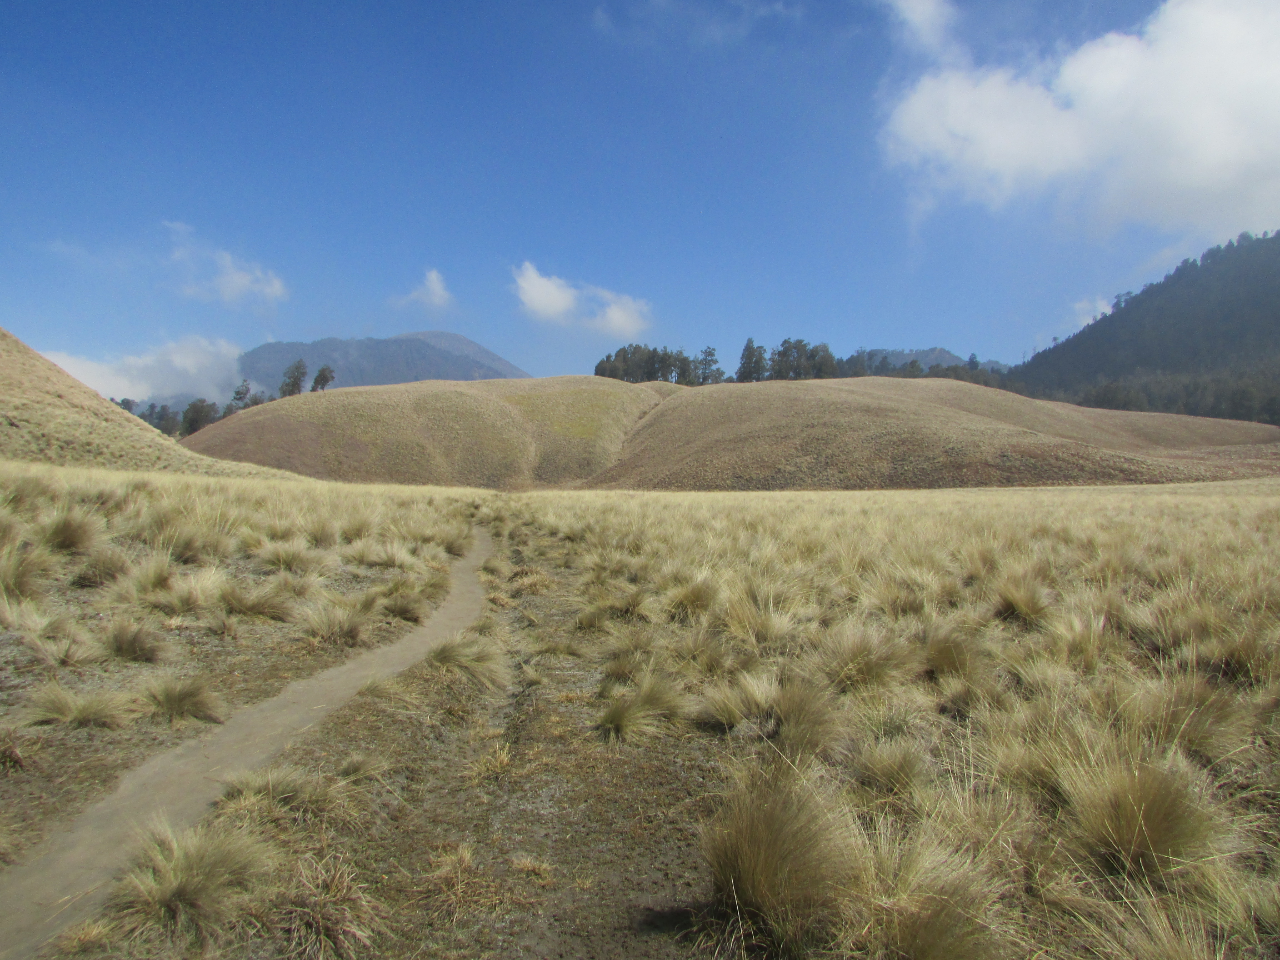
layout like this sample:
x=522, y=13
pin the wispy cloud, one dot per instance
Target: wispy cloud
x=217, y=275
x=706, y=23
x=1176, y=125
x=432, y=293
x=557, y=301
x=192, y=365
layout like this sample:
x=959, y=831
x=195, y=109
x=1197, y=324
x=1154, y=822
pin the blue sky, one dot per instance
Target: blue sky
x=179, y=181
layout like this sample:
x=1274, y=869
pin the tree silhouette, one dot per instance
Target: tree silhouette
x=294, y=375
x=324, y=377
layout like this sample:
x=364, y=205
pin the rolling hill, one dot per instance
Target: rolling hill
x=864, y=433
x=407, y=358
x=47, y=416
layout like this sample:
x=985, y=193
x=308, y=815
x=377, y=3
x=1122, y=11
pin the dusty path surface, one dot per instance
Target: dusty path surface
x=65, y=880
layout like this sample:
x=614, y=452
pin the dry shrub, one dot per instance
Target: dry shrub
x=104, y=565
x=855, y=656
x=325, y=912
x=497, y=567
x=1246, y=658
x=188, y=594
x=656, y=701
x=176, y=698
x=482, y=660
x=1083, y=641
x=456, y=888
x=190, y=542
x=898, y=595
x=781, y=851
x=68, y=652
x=53, y=703
x=195, y=883
x=10, y=755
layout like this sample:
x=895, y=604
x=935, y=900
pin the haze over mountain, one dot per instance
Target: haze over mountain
x=370, y=361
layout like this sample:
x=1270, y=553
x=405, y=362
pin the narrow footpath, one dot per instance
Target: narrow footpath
x=66, y=879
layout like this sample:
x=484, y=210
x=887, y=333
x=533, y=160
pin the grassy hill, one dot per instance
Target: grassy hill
x=47, y=416
x=865, y=433
x=490, y=433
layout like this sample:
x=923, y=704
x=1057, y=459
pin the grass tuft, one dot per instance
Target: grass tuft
x=480, y=659
x=54, y=703
x=657, y=700
x=177, y=698
x=781, y=853
x=194, y=883
x=325, y=912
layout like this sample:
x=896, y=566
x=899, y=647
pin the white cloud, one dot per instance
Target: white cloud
x=193, y=365
x=218, y=275
x=548, y=298
x=431, y=294
x=621, y=315
x=1176, y=126
x=927, y=22
x=556, y=300
x=703, y=23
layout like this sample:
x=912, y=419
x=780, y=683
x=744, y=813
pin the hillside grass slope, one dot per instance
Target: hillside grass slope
x=488, y=433
x=47, y=416
x=865, y=433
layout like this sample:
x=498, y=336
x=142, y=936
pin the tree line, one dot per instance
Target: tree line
x=201, y=412
x=793, y=359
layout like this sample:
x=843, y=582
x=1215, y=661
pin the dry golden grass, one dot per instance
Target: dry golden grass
x=50, y=417
x=981, y=723
x=868, y=433
x=486, y=433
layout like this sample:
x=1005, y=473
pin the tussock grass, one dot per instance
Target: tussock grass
x=333, y=621
x=288, y=790
x=175, y=698
x=781, y=850
x=1045, y=724
x=482, y=660
x=102, y=566
x=54, y=703
x=71, y=530
x=656, y=701
x=325, y=912
x=24, y=569
x=853, y=656
x=192, y=884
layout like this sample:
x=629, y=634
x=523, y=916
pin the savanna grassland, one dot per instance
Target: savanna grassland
x=135, y=609
x=975, y=723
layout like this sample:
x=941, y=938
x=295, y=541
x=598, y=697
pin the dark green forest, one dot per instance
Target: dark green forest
x=1203, y=341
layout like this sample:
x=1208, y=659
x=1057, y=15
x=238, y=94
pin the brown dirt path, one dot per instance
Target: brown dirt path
x=65, y=880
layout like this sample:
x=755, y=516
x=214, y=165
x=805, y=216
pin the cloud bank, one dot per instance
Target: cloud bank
x=557, y=301
x=193, y=365
x=1176, y=126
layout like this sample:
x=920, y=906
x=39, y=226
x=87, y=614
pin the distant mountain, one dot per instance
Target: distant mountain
x=927, y=358
x=407, y=358
x=1218, y=314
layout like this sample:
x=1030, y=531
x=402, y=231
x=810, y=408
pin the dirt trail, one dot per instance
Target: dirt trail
x=65, y=880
